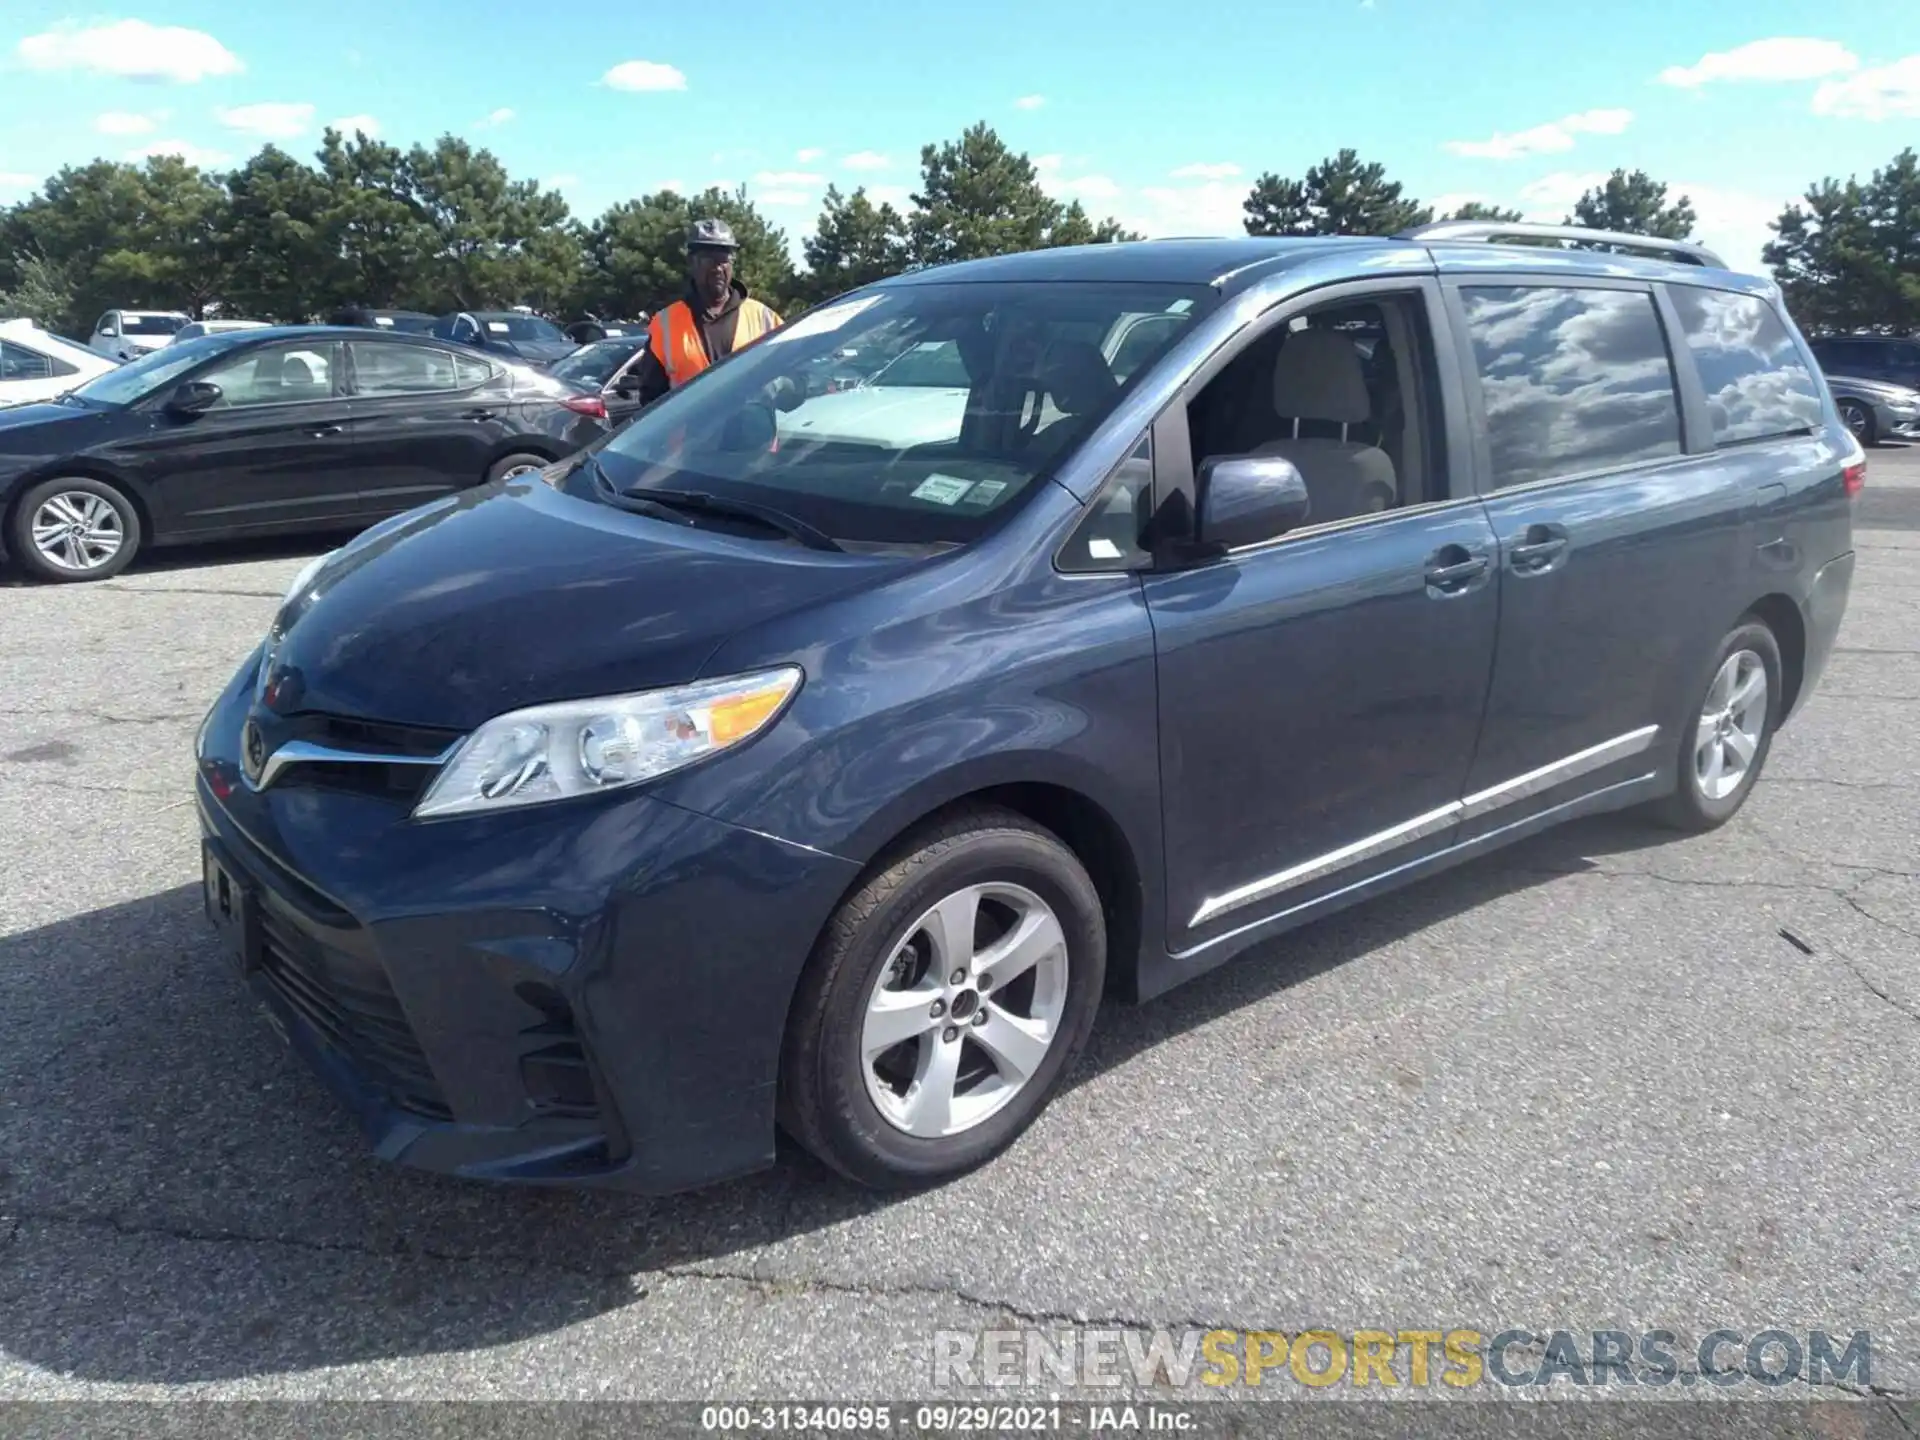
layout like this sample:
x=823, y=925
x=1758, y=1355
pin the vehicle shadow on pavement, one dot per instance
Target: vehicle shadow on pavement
x=213, y=557
x=181, y=1201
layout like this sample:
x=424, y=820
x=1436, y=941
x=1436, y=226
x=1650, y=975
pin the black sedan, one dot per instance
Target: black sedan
x=506, y=333
x=269, y=432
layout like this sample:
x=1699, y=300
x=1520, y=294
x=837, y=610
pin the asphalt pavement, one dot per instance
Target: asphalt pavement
x=1604, y=1079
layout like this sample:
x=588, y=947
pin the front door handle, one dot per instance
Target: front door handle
x=320, y=432
x=479, y=414
x=1453, y=569
x=1539, y=549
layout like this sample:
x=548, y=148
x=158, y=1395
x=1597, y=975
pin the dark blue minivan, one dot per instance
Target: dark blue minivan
x=815, y=756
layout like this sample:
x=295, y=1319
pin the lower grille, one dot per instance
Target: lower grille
x=349, y=1001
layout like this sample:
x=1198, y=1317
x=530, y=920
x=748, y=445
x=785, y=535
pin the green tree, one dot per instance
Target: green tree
x=276, y=239
x=977, y=198
x=1475, y=210
x=371, y=231
x=490, y=240
x=636, y=253
x=38, y=289
x=1850, y=259
x=854, y=243
x=1342, y=195
x=1635, y=204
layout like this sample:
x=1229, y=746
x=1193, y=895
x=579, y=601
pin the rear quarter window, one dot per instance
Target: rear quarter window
x=1757, y=385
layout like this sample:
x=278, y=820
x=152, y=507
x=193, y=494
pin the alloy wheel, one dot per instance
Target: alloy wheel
x=964, y=1011
x=1732, y=724
x=77, y=531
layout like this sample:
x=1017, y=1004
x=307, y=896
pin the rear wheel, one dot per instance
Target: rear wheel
x=510, y=466
x=946, y=999
x=77, y=528
x=1725, y=738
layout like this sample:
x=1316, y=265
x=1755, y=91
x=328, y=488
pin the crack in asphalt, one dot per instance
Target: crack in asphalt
x=1843, y=784
x=165, y=717
x=1868, y=650
x=187, y=590
x=34, y=782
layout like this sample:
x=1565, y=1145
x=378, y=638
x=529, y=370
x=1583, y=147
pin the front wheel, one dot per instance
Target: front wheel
x=516, y=466
x=74, y=529
x=1725, y=739
x=1860, y=421
x=945, y=1000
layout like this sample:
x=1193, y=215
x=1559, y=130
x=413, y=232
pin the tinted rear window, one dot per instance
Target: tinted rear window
x=1757, y=385
x=1573, y=379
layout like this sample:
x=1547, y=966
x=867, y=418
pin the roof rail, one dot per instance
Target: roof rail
x=1492, y=232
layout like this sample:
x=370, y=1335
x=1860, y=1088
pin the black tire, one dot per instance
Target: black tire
x=1690, y=807
x=27, y=555
x=1859, y=419
x=824, y=1099
x=507, y=464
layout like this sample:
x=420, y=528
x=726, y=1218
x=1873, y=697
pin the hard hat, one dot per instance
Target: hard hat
x=711, y=233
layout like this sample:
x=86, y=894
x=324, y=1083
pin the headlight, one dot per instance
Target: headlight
x=585, y=747
x=305, y=577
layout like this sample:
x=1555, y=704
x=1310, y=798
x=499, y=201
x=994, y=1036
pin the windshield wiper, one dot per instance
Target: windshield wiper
x=700, y=502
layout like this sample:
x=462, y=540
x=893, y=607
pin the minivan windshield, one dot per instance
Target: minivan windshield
x=978, y=391
x=521, y=327
x=127, y=383
x=133, y=324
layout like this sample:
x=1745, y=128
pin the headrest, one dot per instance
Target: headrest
x=1075, y=374
x=1318, y=377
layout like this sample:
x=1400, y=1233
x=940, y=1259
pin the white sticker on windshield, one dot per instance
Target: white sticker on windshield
x=386, y=320
x=986, y=492
x=942, y=489
x=1101, y=548
x=823, y=321
x=498, y=327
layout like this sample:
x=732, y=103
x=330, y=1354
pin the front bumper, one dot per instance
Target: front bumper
x=586, y=993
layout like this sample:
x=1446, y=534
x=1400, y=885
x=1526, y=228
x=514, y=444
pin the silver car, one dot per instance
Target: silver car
x=1876, y=410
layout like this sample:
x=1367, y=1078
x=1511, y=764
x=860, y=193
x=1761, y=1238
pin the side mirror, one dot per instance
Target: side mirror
x=1245, y=499
x=196, y=397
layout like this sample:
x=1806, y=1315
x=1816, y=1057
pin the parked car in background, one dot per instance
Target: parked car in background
x=585, y=332
x=1892, y=359
x=129, y=334
x=36, y=364
x=606, y=368
x=1876, y=410
x=590, y=832
x=269, y=431
x=197, y=328
x=406, y=322
x=506, y=333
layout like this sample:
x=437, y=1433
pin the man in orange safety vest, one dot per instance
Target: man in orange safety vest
x=714, y=318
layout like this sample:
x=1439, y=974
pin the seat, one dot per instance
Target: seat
x=1318, y=377
x=1073, y=375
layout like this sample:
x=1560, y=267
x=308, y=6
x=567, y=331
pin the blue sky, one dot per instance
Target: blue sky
x=1142, y=110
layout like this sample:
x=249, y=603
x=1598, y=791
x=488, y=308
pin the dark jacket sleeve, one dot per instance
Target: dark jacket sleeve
x=651, y=377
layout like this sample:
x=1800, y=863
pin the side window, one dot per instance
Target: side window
x=469, y=372
x=276, y=375
x=1906, y=357
x=1109, y=537
x=401, y=369
x=1757, y=385
x=19, y=363
x=1572, y=379
x=1349, y=393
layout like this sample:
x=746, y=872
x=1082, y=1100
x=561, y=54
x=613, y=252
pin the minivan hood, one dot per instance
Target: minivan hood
x=514, y=594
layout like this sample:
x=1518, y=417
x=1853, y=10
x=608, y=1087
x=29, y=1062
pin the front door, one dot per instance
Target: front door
x=1619, y=542
x=426, y=420
x=274, y=450
x=1320, y=694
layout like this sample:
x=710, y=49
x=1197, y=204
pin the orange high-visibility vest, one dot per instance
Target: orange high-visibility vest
x=674, y=337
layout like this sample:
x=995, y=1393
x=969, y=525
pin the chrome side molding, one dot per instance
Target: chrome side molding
x=1471, y=807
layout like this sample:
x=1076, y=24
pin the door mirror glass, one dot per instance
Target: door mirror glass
x=1245, y=499
x=196, y=397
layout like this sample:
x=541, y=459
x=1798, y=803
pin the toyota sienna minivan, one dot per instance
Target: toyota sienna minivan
x=593, y=825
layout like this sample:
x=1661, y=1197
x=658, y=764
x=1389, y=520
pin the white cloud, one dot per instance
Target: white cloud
x=497, y=117
x=123, y=122
x=783, y=199
x=1549, y=139
x=808, y=155
x=866, y=160
x=132, y=49
x=1551, y=196
x=1051, y=171
x=898, y=196
x=788, y=179
x=559, y=182
x=1202, y=171
x=1211, y=208
x=1029, y=102
x=1733, y=223
x=1780, y=58
x=1883, y=93
x=351, y=125
x=200, y=155
x=679, y=187
x=644, y=75
x=272, y=120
